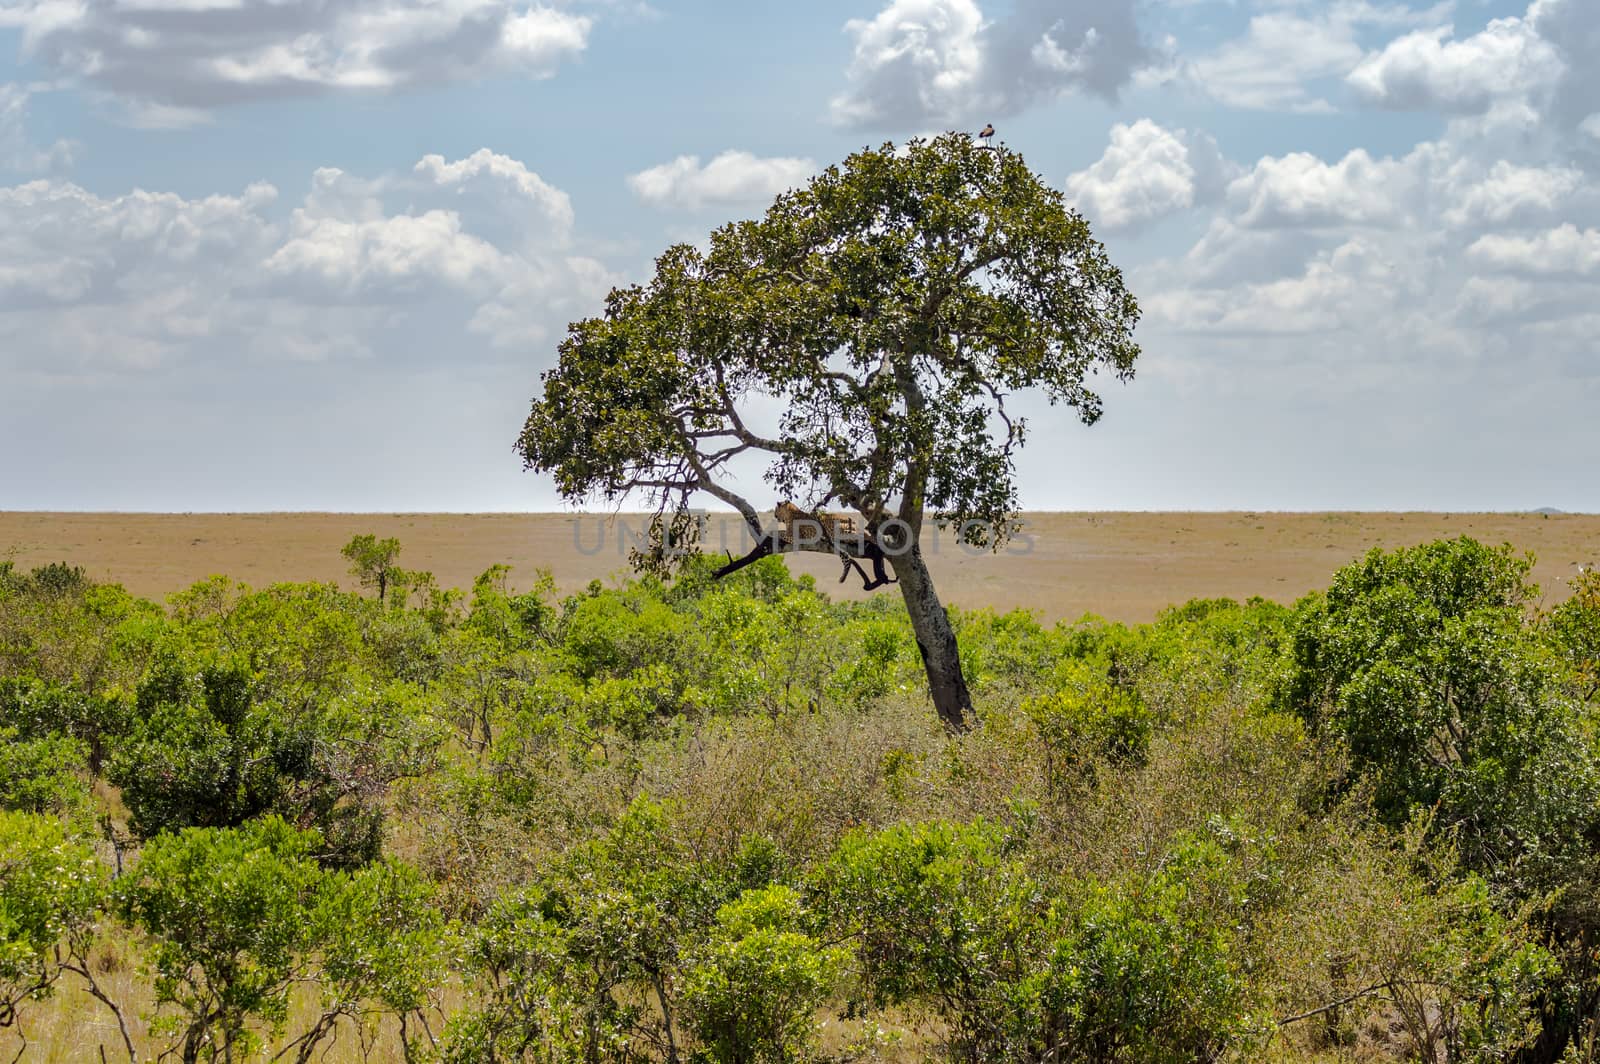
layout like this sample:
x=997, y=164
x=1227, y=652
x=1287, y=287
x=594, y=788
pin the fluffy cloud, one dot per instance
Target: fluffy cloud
x=147, y=279
x=1300, y=190
x=1285, y=53
x=1572, y=28
x=922, y=63
x=733, y=178
x=1510, y=193
x=1475, y=253
x=1145, y=174
x=1563, y=250
x=1427, y=70
x=1543, y=60
x=173, y=60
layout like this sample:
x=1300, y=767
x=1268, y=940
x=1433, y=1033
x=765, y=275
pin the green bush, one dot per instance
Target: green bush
x=228, y=915
x=51, y=890
x=1142, y=974
x=752, y=987
x=43, y=775
x=940, y=917
x=1421, y=661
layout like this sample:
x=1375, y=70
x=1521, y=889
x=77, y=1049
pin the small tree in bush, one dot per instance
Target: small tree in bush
x=229, y=915
x=754, y=984
x=1574, y=630
x=940, y=917
x=42, y=775
x=382, y=945
x=51, y=890
x=373, y=562
x=1142, y=974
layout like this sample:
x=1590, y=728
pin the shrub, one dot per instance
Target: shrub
x=1142, y=974
x=42, y=775
x=1419, y=660
x=1574, y=630
x=753, y=985
x=228, y=912
x=942, y=918
x=51, y=890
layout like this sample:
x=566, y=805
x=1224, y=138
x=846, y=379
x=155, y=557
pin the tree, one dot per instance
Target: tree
x=888, y=310
x=1573, y=629
x=372, y=562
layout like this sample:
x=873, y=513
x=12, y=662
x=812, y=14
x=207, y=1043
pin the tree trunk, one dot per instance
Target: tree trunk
x=936, y=639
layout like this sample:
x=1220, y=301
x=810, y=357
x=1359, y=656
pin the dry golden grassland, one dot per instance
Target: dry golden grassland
x=1121, y=566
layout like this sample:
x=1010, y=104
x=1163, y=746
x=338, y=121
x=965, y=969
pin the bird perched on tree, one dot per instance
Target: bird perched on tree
x=986, y=132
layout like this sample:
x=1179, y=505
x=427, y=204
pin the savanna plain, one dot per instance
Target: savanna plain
x=1241, y=787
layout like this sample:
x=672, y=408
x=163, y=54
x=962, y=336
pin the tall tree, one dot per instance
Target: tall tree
x=862, y=339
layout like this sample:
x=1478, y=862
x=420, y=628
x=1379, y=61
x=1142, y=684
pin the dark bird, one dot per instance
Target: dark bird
x=986, y=132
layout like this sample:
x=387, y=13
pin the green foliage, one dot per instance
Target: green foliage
x=228, y=912
x=704, y=820
x=1574, y=630
x=511, y=622
x=236, y=917
x=1140, y=970
x=752, y=987
x=69, y=631
x=372, y=562
x=217, y=742
x=874, y=262
x=38, y=711
x=1087, y=721
x=940, y=916
x=1144, y=971
x=383, y=944
x=42, y=775
x=1421, y=661
x=206, y=753
x=51, y=890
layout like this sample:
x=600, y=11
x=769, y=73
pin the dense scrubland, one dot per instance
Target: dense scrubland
x=718, y=821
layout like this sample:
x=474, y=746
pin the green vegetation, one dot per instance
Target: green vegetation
x=712, y=820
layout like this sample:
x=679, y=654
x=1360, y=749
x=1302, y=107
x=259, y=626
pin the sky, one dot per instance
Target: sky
x=314, y=254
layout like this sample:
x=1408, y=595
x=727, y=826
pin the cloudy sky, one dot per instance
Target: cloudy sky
x=313, y=254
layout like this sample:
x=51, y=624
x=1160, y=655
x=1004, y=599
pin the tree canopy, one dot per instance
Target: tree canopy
x=864, y=339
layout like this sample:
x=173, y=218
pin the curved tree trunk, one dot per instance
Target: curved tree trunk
x=936, y=639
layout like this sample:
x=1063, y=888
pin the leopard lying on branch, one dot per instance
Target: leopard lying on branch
x=803, y=530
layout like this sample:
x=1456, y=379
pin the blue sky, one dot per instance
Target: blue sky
x=313, y=254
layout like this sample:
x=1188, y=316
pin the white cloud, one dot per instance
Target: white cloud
x=1268, y=68
x=1341, y=288
x=391, y=264
x=733, y=178
x=1563, y=250
x=1540, y=63
x=1477, y=247
x=1300, y=190
x=393, y=257
x=1286, y=52
x=923, y=63
x=172, y=61
x=1145, y=174
x=916, y=61
x=1509, y=193
x=1572, y=29
x=1427, y=70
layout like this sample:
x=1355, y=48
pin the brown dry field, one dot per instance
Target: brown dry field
x=1122, y=566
